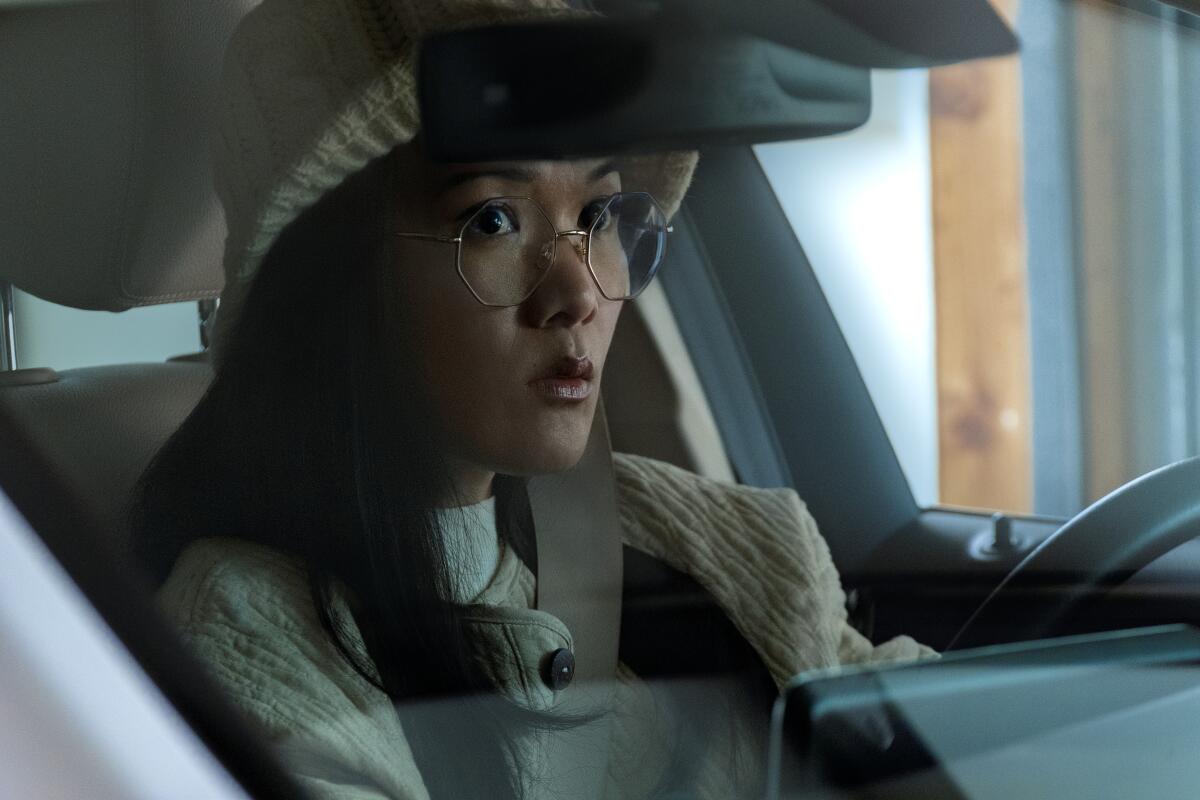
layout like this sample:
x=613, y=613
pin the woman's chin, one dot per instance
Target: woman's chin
x=547, y=449
x=546, y=460
x=547, y=441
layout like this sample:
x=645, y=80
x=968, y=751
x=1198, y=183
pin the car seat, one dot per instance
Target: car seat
x=115, y=209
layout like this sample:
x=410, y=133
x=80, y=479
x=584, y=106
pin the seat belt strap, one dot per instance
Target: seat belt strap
x=579, y=581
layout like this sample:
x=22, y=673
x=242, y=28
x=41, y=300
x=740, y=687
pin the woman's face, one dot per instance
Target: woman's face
x=515, y=388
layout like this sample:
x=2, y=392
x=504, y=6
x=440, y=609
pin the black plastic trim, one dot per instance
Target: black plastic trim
x=713, y=341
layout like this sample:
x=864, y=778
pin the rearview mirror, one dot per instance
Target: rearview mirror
x=598, y=87
x=682, y=74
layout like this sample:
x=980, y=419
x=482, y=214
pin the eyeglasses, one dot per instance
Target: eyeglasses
x=506, y=248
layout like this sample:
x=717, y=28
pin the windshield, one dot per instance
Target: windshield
x=529, y=476
x=1008, y=246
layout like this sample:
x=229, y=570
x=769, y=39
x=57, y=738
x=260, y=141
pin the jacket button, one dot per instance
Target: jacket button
x=560, y=669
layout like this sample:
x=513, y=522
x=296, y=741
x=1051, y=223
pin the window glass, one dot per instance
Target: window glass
x=1010, y=248
x=859, y=204
x=343, y=532
x=50, y=335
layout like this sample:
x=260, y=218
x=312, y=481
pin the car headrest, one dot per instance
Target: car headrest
x=108, y=201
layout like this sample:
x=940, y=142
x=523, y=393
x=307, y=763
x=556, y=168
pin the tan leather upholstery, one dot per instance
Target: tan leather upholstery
x=108, y=200
x=108, y=204
x=656, y=405
x=100, y=426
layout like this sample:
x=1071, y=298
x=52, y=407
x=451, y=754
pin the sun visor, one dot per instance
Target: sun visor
x=682, y=75
x=879, y=34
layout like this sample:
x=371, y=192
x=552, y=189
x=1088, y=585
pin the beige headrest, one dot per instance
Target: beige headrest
x=106, y=197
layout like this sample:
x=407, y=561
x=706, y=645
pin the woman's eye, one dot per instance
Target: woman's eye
x=597, y=213
x=495, y=221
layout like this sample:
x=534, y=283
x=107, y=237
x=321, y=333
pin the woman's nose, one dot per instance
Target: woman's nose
x=568, y=295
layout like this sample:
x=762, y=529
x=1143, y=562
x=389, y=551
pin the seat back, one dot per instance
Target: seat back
x=99, y=427
x=115, y=209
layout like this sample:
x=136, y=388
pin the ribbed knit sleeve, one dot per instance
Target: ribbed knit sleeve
x=758, y=552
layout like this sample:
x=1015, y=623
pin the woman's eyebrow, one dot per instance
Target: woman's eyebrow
x=602, y=170
x=515, y=174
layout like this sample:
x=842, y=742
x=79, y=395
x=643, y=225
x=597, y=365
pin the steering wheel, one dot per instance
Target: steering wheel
x=1098, y=549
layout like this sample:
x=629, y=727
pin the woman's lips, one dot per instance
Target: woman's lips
x=569, y=380
x=570, y=389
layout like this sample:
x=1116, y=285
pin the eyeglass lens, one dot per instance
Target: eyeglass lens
x=509, y=244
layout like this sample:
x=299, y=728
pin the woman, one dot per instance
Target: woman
x=342, y=524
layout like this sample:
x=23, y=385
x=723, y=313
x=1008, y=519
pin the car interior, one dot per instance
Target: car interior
x=733, y=365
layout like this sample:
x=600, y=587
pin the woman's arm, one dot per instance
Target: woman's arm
x=245, y=610
x=759, y=554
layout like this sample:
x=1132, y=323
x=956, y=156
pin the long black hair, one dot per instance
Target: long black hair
x=316, y=439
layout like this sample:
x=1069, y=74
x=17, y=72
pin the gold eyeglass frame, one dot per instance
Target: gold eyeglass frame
x=583, y=247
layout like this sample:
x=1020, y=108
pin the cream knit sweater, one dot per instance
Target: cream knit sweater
x=246, y=611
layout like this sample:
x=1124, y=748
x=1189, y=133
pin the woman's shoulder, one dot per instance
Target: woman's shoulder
x=756, y=551
x=246, y=611
x=663, y=505
x=234, y=579
x=662, y=479
x=760, y=555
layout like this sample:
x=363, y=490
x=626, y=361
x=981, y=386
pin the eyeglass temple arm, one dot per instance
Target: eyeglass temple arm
x=430, y=237
x=427, y=237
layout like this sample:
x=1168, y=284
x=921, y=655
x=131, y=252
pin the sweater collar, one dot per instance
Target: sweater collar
x=472, y=547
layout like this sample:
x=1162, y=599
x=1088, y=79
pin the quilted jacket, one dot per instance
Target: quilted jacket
x=246, y=611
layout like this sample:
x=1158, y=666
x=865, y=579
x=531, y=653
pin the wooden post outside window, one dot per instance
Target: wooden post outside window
x=981, y=286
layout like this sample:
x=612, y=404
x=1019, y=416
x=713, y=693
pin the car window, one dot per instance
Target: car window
x=58, y=337
x=1010, y=248
x=860, y=205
